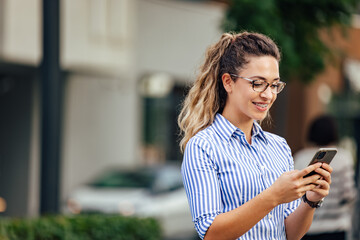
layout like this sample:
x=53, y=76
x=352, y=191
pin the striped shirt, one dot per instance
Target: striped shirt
x=222, y=171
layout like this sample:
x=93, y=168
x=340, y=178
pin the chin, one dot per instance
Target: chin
x=261, y=117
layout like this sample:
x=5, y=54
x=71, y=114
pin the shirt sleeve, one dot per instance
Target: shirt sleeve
x=291, y=206
x=201, y=184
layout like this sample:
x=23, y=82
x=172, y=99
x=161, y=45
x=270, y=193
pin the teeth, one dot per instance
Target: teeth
x=261, y=105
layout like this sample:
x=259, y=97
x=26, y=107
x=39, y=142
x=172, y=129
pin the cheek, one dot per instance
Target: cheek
x=252, y=96
x=274, y=98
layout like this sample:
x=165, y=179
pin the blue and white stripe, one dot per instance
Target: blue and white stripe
x=221, y=171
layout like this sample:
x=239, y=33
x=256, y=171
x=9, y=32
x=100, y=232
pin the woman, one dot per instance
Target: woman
x=239, y=179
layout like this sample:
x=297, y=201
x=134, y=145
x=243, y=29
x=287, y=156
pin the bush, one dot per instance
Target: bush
x=82, y=227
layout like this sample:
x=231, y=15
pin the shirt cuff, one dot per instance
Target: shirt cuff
x=203, y=223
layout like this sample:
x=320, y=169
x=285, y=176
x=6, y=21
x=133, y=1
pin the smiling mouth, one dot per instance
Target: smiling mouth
x=262, y=105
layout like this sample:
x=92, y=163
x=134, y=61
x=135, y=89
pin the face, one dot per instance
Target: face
x=245, y=104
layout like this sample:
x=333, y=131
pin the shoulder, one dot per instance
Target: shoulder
x=199, y=152
x=200, y=140
x=344, y=152
x=275, y=139
x=206, y=140
x=343, y=157
x=278, y=144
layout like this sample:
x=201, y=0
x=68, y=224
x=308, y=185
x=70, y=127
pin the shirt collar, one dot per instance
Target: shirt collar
x=259, y=132
x=225, y=129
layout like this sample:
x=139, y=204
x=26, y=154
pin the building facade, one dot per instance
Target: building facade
x=107, y=49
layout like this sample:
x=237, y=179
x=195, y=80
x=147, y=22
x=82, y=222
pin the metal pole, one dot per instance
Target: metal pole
x=52, y=89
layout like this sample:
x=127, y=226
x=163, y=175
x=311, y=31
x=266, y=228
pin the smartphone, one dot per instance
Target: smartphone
x=324, y=155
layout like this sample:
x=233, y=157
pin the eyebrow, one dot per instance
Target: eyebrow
x=262, y=78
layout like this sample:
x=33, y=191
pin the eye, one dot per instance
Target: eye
x=275, y=85
x=258, y=83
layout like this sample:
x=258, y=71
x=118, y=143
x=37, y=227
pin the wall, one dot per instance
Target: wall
x=172, y=36
x=103, y=112
x=97, y=35
x=21, y=36
x=100, y=108
x=99, y=127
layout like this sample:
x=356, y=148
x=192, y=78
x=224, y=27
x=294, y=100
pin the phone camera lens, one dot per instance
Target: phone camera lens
x=321, y=155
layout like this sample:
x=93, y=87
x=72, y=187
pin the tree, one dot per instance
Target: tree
x=295, y=26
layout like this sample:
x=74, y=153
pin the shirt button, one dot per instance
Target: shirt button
x=262, y=170
x=270, y=216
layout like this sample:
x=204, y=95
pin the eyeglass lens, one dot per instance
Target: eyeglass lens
x=261, y=86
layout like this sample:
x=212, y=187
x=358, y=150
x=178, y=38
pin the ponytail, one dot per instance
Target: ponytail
x=202, y=101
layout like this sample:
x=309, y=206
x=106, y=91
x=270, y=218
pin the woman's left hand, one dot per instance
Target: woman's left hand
x=323, y=184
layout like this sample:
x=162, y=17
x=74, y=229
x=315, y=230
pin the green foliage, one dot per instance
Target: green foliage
x=294, y=25
x=83, y=227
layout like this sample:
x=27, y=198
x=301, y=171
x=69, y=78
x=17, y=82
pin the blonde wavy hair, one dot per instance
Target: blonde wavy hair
x=207, y=96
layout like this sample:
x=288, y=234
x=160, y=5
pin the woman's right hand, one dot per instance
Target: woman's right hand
x=292, y=185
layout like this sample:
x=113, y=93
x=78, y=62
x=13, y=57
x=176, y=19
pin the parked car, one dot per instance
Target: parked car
x=155, y=191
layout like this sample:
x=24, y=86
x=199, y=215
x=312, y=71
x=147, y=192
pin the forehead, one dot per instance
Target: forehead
x=266, y=66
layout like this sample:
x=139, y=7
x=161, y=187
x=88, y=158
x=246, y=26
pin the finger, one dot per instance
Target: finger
x=310, y=187
x=324, y=173
x=322, y=184
x=327, y=167
x=322, y=192
x=322, y=189
x=308, y=169
x=311, y=179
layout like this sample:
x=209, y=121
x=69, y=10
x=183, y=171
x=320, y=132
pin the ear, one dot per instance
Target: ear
x=227, y=82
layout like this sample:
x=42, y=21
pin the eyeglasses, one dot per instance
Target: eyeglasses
x=262, y=85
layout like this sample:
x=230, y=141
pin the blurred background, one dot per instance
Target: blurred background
x=90, y=91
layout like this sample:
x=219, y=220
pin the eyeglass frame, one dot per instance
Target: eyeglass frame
x=252, y=83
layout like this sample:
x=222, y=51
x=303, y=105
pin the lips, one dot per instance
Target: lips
x=261, y=106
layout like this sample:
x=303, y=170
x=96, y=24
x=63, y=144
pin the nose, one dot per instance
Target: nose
x=267, y=93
